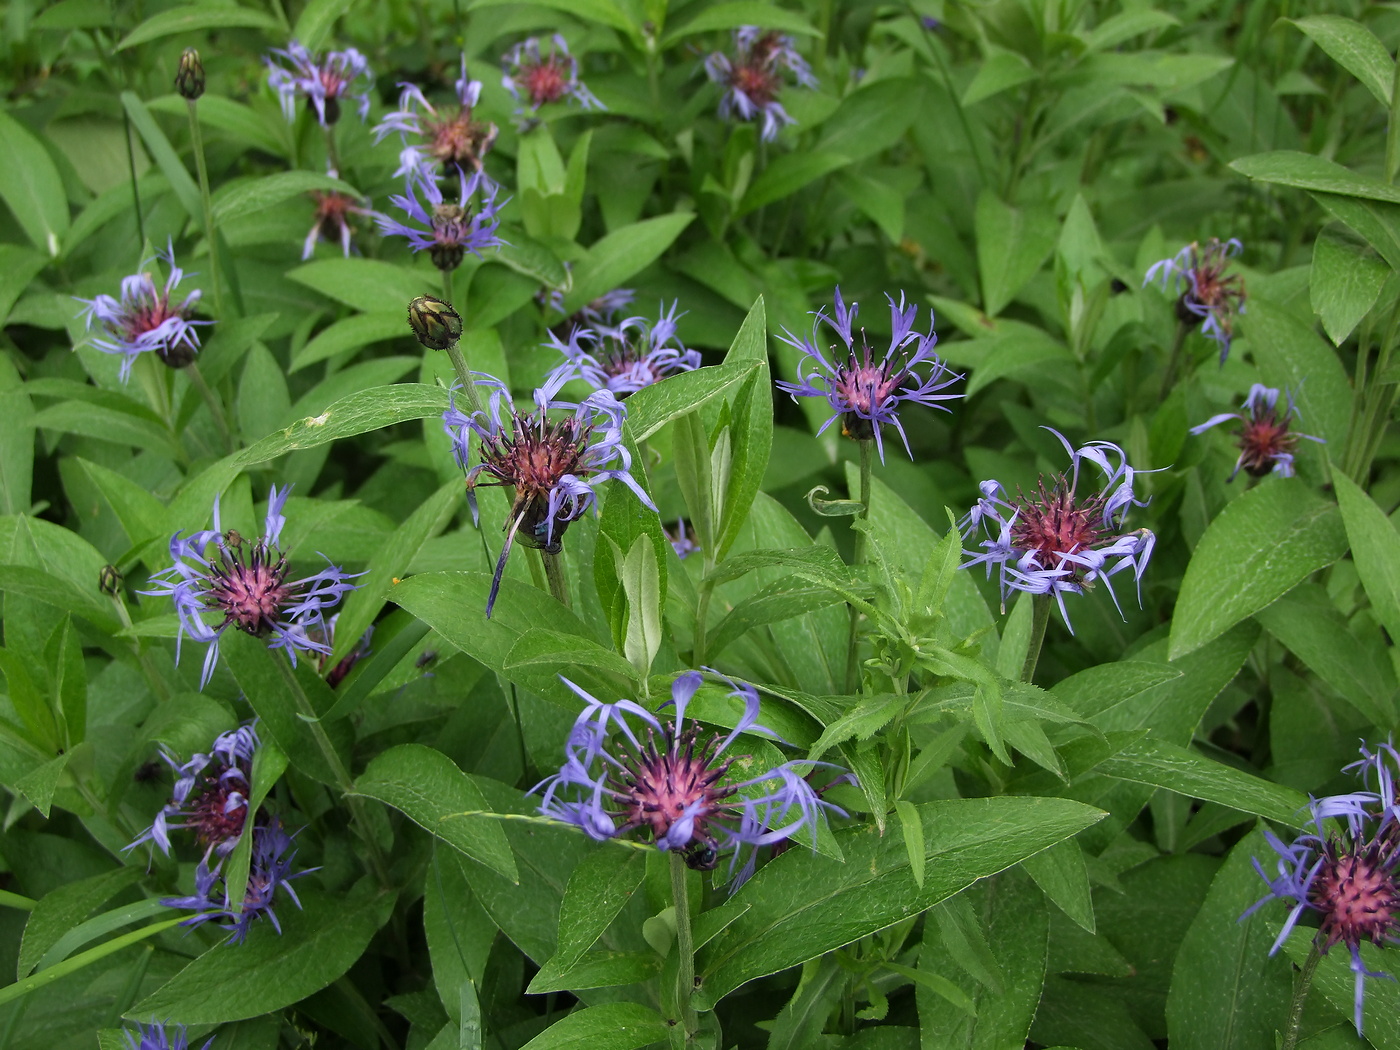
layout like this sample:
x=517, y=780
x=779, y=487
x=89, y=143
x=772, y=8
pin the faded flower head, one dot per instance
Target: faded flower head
x=626, y=356
x=156, y=1037
x=535, y=79
x=670, y=782
x=222, y=572
x=332, y=221
x=553, y=464
x=145, y=320
x=1266, y=441
x=210, y=796
x=1207, y=294
x=269, y=871
x=456, y=141
x=1056, y=540
x=864, y=391
x=754, y=76
x=1344, y=874
x=189, y=78
x=451, y=229
x=341, y=74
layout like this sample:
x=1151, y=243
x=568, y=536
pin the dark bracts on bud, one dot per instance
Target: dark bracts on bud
x=109, y=580
x=434, y=322
x=189, y=80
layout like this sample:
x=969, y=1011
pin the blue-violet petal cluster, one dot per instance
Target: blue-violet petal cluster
x=753, y=77
x=1057, y=541
x=210, y=796
x=222, y=572
x=667, y=780
x=156, y=1037
x=626, y=356
x=323, y=83
x=1207, y=294
x=456, y=141
x=535, y=79
x=1266, y=439
x=450, y=229
x=865, y=390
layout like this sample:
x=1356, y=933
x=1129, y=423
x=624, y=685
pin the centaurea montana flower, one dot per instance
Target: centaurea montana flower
x=534, y=79
x=1207, y=295
x=1056, y=541
x=210, y=797
x=332, y=220
x=222, y=572
x=145, y=320
x=626, y=356
x=1266, y=441
x=452, y=228
x=458, y=142
x=1347, y=878
x=554, y=465
x=270, y=870
x=863, y=392
x=675, y=788
x=322, y=83
x=753, y=78
x=155, y=1037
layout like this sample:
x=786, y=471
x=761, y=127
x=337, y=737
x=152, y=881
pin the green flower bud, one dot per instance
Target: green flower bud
x=109, y=580
x=189, y=81
x=434, y=322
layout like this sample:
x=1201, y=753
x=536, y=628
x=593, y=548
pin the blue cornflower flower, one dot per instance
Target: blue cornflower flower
x=457, y=141
x=247, y=582
x=210, y=796
x=145, y=320
x=270, y=870
x=753, y=78
x=323, y=84
x=1266, y=442
x=1206, y=294
x=626, y=356
x=155, y=1037
x=1056, y=541
x=675, y=789
x=1348, y=879
x=453, y=229
x=554, y=465
x=865, y=393
x=534, y=79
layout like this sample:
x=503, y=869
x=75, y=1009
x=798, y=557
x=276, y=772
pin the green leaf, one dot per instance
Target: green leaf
x=780, y=600
x=652, y=407
x=1376, y=221
x=622, y=254
x=358, y=282
x=428, y=787
x=38, y=786
x=873, y=117
x=913, y=829
x=1012, y=243
x=16, y=432
x=545, y=652
x=801, y=905
x=60, y=910
x=30, y=185
x=237, y=199
x=319, y=942
x=169, y=162
x=10, y=992
x=1164, y=765
x=1345, y=281
x=603, y=12
x=459, y=931
x=1291, y=354
x=1000, y=71
x=787, y=174
x=1227, y=991
x=317, y=19
x=611, y=1026
x=1355, y=48
x=1256, y=550
x=193, y=18
x=597, y=891
x=1307, y=171
x=734, y=15
x=641, y=583
x=1060, y=872
x=1376, y=549
x=750, y=429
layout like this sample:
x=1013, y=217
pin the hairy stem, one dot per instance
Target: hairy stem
x=215, y=403
x=1300, y=995
x=685, y=947
x=1174, y=361
x=1040, y=618
x=867, y=464
x=554, y=571
x=197, y=137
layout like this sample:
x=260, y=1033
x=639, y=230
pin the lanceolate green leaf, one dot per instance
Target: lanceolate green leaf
x=1376, y=548
x=611, y=1026
x=1358, y=50
x=30, y=185
x=620, y=254
x=193, y=18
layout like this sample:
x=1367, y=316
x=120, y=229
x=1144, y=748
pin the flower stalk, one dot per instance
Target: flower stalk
x=1300, y=996
x=685, y=948
x=202, y=169
x=1040, y=619
x=867, y=463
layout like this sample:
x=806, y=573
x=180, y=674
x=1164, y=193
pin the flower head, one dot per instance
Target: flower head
x=1059, y=542
x=626, y=356
x=332, y=221
x=676, y=789
x=753, y=78
x=323, y=84
x=1345, y=878
x=210, y=796
x=535, y=79
x=554, y=464
x=269, y=871
x=452, y=229
x=1266, y=440
x=155, y=1037
x=864, y=392
x=145, y=320
x=1207, y=295
x=218, y=571
x=455, y=140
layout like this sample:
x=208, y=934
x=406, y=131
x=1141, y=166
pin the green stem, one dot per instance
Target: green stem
x=554, y=571
x=215, y=403
x=209, y=233
x=702, y=612
x=1392, y=137
x=1300, y=995
x=685, y=947
x=1174, y=361
x=332, y=154
x=1040, y=618
x=153, y=677
x=867, y=464
x=135, y=192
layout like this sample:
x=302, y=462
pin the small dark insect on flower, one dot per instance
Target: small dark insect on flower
x=146, y=772
x=189, y=80
x=1265, y=439
x=1208, y=296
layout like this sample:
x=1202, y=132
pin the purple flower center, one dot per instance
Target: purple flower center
x=250, y=589
x=1056, y=523
x=866, y=387
x=459, y=142
x=533, y=460
x=219, y=813
x=1357, y=894
x=1263, y=439
x=660, y=787
x=145, y=312
x=545, y=81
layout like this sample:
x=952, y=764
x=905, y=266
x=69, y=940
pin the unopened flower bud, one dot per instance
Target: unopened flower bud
x=109, y=580
x=434, y=322
x=189, y=81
